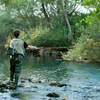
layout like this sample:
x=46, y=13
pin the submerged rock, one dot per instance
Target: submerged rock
x=30, y=79
x=39, y=81
x=3, y=85
x=52, y=95
x=61, y=85
x=27, y=86
x=53, y=83
x=21, y=85
x=3, y=89
x=7, y=85
x=34, y=86
x=22, y=81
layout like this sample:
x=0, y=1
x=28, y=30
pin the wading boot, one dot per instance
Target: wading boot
x=16, y=79
x=11, y=76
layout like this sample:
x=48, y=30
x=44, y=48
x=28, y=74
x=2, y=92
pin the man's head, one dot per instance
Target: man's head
x=16, y=33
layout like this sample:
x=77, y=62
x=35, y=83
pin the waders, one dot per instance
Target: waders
x=15, y=67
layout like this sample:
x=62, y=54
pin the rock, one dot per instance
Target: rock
x=39, y=81
x=34, y=86
x=52, y=95
x=12, y=86
x=8, y=85
x=30, y=79
x=61, y=85
x=27, y=86
x=21, y=85
x=3, y=85
x=22, y=81
x=53, y=83
x=3, y=89
x=7, y=80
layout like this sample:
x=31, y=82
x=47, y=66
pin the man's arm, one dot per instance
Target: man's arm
x=32, y=47
x=29, y=47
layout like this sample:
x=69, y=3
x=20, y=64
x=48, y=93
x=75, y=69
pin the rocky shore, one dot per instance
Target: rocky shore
x=30, y=84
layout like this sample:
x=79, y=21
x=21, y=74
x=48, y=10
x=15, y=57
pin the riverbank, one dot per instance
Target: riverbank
x=77, y=60
x=59, y=52
x=53, y=51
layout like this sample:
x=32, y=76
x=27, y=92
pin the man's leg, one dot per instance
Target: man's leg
x=11, y=76
x=12, y=67
x=18, y=65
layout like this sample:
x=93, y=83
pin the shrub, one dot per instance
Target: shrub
x=88, y=45
x=43, y=37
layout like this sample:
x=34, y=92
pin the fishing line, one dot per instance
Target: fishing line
x=45, y=75
x=50, y=72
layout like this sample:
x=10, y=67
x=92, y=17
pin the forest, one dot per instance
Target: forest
x=54, y=23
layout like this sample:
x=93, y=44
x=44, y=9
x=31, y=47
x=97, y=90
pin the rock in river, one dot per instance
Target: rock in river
x=52, y=95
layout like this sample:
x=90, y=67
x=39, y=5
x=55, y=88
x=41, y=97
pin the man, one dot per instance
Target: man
x=16, y=60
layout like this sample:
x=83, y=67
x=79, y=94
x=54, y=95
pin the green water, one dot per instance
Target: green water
x=84, y=79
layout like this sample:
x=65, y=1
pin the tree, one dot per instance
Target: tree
x=6, y=2
x=59, y=8
x=58, y=15
x=94, y=7
x=88, y=45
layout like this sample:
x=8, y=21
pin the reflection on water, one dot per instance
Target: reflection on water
x=84, y=78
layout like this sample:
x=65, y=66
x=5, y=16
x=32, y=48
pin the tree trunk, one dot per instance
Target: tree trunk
x=67, y=21
x=45, y=13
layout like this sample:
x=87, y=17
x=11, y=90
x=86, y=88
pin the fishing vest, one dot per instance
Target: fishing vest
x=19, y=46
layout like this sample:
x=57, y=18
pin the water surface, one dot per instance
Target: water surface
x=84, y=79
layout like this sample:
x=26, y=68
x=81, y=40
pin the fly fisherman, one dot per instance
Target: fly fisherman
x=17, y=59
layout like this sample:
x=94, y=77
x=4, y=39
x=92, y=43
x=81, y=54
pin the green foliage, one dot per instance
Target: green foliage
x=17, y=16
x=43, y=37
x=8, y=39
x=93, y=6
x=79, y=24
x=27, y=15
x=6, y=26
x=88, y=45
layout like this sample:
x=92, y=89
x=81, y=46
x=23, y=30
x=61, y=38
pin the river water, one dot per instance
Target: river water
x=83, y=79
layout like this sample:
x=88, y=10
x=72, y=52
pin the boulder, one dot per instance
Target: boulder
x=53, y=83
x=61, y=85
x=53, y=95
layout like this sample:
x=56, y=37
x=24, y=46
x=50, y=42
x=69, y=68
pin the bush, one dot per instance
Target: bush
x=43, y=37
x=88, y=45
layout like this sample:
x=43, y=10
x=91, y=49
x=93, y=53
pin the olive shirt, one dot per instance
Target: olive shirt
x=19, y=45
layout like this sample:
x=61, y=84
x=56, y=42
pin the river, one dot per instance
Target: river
x=83, y=79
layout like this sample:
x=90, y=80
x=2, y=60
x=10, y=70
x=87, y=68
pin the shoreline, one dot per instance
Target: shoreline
x=87, y=61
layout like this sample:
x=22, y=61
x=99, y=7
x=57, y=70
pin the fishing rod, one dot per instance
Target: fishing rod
x=56, y=47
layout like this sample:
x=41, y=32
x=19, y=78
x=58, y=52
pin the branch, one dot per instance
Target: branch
x=45, y=13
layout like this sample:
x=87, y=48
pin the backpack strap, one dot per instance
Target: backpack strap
x=16, y=43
